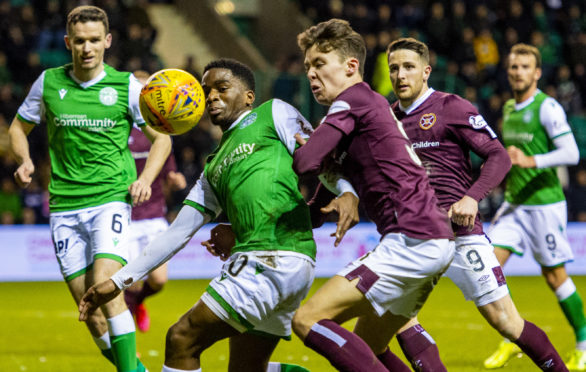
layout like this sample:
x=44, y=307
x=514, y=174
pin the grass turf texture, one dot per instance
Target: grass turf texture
x=40, y=332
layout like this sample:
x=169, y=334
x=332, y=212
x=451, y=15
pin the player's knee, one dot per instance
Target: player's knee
x=302, y=322
x=180, y=342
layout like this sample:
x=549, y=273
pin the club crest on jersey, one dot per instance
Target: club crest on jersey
x=427, y=121
x=248, y=120
x=108, y=96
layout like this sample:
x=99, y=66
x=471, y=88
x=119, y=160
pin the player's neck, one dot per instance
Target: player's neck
x=87, y=75
x=523, y=96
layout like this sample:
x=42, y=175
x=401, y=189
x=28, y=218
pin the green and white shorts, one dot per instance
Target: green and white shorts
x=259, y=291
x=540, y=229
x=82, y=235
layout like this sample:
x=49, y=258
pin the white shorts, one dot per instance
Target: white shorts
x=540, y=229
x=142, y=233
x=259, y=291
x=399, y=274
x=82, y=235
x=476, y=270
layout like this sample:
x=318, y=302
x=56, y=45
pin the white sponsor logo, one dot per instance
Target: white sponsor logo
x=239, y=153
x=477, y=122
x=62, y=93
x=108, y=96
x=82, y=121
x=425, y=144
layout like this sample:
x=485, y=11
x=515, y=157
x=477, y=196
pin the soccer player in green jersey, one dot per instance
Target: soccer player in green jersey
x=533, y=217
x=89, y=109
x=270, y=269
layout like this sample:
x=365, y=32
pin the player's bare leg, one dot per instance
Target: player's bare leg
x=502, y=255
x=96, y=322
x=503, y=316
x=317, y=323
x=378, y=340
x=250, y=352
x=571, y=303
x=120, y=323
x=194, y=332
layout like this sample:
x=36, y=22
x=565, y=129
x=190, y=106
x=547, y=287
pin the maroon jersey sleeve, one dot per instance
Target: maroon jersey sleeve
x=308, y=159
x=496, y=166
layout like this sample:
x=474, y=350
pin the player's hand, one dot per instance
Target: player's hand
x=176, y=180
x=221, y=241
x=347, y=207
x=464, y=211
x=519, y=158
x=96, y=296
x=22, y=176
x=299, y=139
x=140, y=192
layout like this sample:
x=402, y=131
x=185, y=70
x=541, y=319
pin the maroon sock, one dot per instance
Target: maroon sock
x=535, y=343
x=421, y=350
x=344, y=350
x=392, y=361
x=144, y=292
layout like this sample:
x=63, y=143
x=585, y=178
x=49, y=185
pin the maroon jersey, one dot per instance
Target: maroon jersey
x=156, y=206
x=378, y=160
x=443, y=129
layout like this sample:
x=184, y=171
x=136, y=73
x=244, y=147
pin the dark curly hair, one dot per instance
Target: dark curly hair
x=239, y=69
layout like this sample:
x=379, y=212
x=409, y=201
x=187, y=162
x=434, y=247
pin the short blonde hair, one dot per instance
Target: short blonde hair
x=526, y=49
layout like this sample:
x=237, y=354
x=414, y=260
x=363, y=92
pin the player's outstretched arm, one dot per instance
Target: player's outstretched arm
x=18, y=143
x=96, y=296
x=140, y=190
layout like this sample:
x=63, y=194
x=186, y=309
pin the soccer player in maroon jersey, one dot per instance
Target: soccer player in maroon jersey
x=148, y=220
x=443, y=129
x=395, y=278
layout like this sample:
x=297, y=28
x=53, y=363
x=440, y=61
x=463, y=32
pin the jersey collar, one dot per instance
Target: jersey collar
x=527, y=102
x=89, y=83
x=239, y=118
x=420, y=100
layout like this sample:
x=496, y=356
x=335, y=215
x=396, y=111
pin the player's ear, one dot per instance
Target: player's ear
x=67, y=42
x=108, y=40
x=426, y=73
x=352, y=66
x=538, y=73
x=249, y=98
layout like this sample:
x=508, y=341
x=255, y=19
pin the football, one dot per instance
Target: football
x=172, y=101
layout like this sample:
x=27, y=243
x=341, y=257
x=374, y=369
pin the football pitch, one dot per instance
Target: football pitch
x=40, y=332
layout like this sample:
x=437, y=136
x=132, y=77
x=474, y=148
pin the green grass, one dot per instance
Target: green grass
x=40, y=332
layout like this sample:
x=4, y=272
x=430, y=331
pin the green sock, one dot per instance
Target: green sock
x=124, y=351
x=108, y=354
x=292, y=368
x=574, y=310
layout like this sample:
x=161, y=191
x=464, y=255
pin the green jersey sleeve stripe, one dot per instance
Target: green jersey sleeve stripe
x=25, y=120
x=562, y=134
x=200, y=208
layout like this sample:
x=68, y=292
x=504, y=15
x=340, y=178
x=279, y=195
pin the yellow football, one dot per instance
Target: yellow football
x=172, y=101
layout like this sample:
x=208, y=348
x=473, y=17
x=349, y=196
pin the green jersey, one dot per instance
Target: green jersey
x=532, y=126
x=250, y=177
x=88, y=124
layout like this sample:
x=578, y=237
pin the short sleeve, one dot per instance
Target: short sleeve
x=32, y=109
x=340, y=116
x=289, y=122
x=202, y=197
x=134, y=88
x=553, y=118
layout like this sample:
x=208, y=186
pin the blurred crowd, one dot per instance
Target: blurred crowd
x=469, y=41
